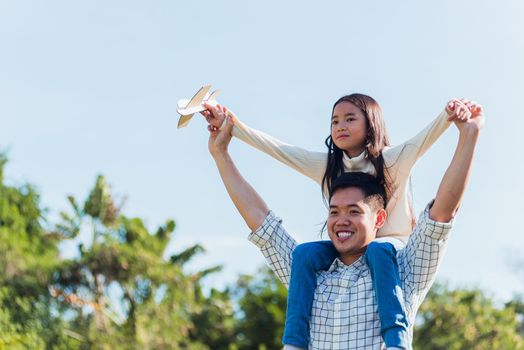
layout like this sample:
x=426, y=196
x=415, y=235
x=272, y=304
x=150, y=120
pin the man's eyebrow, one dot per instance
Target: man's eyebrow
x=345, y=115
x=344, y=206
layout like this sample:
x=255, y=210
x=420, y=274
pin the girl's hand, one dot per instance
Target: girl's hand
x=215, y=115
x=459, y=109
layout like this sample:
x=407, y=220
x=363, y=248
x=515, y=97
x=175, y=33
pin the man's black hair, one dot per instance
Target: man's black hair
x=372, y=188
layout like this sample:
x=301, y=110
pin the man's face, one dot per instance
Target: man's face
x=352, y=224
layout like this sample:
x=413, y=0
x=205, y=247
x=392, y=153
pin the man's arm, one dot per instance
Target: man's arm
x=247, y=201
x=268, y=233
x=453, y=184
x=419, y=261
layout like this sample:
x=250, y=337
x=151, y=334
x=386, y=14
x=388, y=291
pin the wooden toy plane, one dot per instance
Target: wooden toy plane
x=186, y=108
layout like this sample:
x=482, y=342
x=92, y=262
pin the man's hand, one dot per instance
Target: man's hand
x=219, y=138
x=248, y=202
x=475, y=123
x=463, y=109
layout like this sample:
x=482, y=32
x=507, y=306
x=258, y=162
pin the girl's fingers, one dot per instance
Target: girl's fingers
x=460, y=112
x=465, y=101
x=450, y=109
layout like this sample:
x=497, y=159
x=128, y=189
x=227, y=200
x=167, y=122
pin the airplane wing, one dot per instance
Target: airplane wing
x=184, y=120
x=186, y=108
x=199, y=97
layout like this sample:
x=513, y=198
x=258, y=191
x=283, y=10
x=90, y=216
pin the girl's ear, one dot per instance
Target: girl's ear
x=380, y=218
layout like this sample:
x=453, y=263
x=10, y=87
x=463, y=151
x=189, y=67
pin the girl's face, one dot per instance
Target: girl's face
x=349, y=128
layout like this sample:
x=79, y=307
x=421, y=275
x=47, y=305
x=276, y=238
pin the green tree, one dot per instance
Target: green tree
x=465, y=319
x=122, y=292
x=517, y=304
x=28, y=256
x=262, y=302
x=214, y=321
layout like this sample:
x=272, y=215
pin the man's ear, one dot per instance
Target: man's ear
x=380, y=218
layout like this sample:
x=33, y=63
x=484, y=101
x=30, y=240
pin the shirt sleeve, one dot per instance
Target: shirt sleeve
x=420, y=259
x=276, y=245
x=403, y=157
x=309, y=163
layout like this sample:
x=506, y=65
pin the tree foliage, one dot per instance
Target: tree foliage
x=28, y=256
x=122, y=291
x=465, y=319
x=262, y=301
x=156, y=299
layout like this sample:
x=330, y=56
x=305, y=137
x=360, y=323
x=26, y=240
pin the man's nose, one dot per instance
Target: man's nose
x=343, y=221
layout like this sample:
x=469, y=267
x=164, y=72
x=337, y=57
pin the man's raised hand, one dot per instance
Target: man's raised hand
x=219, y=139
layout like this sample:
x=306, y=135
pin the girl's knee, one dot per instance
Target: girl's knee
x=303, y=253
x=314, y=254
x=380, y=249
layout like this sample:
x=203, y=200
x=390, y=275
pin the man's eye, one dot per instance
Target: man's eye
x=354, y=212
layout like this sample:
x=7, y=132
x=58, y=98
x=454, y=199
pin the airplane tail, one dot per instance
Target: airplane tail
x=213, y=96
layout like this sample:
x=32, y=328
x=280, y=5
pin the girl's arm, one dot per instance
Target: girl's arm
x=309, y=163
x=403, y=157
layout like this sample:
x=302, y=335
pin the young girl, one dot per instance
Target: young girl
x=358, y=142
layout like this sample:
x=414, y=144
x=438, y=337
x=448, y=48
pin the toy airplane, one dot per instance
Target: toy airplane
x=186, y=108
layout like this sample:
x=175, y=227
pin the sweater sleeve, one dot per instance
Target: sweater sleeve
x=403, y=157
x=309, y=163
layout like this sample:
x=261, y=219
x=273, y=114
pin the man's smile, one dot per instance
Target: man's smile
x=343, y=236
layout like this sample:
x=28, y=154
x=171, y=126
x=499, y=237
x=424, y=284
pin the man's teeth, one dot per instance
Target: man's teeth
x=344, y=234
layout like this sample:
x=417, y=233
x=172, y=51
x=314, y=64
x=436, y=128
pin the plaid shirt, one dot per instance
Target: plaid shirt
x=344, y=313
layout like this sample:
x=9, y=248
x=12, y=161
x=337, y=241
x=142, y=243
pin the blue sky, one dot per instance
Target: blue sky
x=91, y=87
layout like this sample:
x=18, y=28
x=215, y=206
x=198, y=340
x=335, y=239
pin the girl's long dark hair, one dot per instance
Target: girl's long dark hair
x=376, y=140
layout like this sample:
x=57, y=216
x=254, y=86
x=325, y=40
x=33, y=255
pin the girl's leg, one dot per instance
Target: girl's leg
x=308, y=259
x=381, y=258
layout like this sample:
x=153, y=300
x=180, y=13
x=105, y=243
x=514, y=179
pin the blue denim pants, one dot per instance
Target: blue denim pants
x=309, y=258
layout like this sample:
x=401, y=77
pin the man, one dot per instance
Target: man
x=344, y=313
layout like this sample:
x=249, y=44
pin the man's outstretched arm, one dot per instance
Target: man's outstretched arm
x=267, y=232
x=420, y=259
x=247, y=201
x=453, y=184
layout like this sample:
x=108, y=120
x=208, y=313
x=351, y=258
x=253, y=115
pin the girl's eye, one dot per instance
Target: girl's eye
x=354, y=212
x=332, y=213
x=350, y=119
x=334, y=122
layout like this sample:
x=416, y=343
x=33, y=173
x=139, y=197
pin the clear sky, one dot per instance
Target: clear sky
x=89, y=87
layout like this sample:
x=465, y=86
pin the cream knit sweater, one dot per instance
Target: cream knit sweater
x=399, y=161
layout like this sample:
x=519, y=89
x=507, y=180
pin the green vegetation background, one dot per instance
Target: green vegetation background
x=120, y=293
